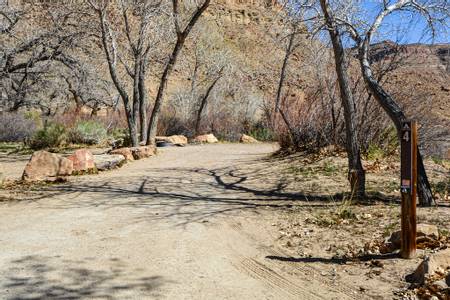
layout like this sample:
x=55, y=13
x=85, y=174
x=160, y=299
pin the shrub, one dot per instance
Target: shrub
x=15, y=127
x=261, y=132
x=88, y=132
x=53, y=135
x=121, y=137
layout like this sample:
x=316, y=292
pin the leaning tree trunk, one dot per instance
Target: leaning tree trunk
x=397, y=116
x=203, y=105
x=356, y=173
x=278, y=108
x=142, y=104
x=153, y=124
x=181, y=38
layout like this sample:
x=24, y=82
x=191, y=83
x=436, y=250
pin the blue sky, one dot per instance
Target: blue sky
x=405, y=28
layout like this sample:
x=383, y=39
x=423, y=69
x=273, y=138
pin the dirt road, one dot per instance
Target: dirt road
x=180, y=225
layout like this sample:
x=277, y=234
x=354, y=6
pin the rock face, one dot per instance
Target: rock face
x=142, y=152
x=44, y=165
x=436, y=263
x=424, y=232
x=83, y=160
x=178, y=140
x=206, y=138
x=105, y=162
x=125, y=152
x=248, y=139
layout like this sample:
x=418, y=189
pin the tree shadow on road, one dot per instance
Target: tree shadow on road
x=188, y=194
x=35, y=277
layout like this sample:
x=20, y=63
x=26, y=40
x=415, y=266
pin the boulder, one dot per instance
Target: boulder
x=44, y=165
x=125, y=152
x=206, y=138
x=424, y=232
x=105, y=162
x=248, y=139
x=178, y=140
x=142, y=152
x=438, y=262
x=447, y=279
x=83, y=160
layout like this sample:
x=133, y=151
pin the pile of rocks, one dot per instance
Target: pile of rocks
x=432, y=277
x=46, y=166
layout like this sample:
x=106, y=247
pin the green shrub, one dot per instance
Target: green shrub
x=260, y=131
x=53, y=135
x=121, y=137
x=374, y=152
x=88, y=132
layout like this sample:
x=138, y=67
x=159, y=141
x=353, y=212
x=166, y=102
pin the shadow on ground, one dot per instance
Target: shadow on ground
x=35, y=277
x=333, y=260
x=187, y=194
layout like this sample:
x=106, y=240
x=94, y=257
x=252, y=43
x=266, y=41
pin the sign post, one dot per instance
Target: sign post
x=408, y=188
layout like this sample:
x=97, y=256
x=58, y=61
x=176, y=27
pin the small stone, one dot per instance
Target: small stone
x=441, y=284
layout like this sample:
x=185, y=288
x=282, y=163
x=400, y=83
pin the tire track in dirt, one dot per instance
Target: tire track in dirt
x=259, y=271
x=253, y=266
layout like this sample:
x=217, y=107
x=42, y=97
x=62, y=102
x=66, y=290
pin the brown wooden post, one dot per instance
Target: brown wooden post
x=409, y=188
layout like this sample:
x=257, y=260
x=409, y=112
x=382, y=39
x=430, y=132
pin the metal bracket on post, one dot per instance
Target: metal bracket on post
x=408, y=188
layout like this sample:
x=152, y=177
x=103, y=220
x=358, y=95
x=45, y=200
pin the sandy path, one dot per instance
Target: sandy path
x=167, y=227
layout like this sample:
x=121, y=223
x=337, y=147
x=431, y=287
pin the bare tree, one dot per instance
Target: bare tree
x=30, y=57
x=134, y=46
x=356, y=173
x=435, y=12
x=291, y=46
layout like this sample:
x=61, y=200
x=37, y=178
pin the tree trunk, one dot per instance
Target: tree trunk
x=203, y=105
x=278, y=108
x=397, y=116
x=153, y=124
x=142, y=104
x=181, y=38
x=356, y=174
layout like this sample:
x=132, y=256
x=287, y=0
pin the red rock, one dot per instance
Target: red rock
x=178, y=140
x=206, y=138
x=125, y=152
x=44, y=165
x=246, y=139
x=142, y=152
x=83, y=160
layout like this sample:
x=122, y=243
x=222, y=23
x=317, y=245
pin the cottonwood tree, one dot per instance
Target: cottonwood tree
x=125, y=38
x=436, y=14
x=295, y=29
x=209, y=62
x=36, y=41
x=356, y=173
x=183, y=22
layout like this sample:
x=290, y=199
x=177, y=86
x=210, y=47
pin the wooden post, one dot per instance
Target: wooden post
x=409, y=188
